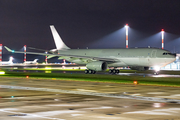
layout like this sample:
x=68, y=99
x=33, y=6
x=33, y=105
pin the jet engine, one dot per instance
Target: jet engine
x=139, y=68
x=97, y=66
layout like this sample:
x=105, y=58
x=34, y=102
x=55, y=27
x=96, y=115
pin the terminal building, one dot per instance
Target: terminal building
x=174, y=65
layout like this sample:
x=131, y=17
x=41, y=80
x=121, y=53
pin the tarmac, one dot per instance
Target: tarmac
x=52, y=99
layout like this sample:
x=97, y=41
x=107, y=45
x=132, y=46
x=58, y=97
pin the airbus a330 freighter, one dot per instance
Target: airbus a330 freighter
x=101, y=59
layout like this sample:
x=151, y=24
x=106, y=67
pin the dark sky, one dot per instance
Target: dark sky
x=82, y=23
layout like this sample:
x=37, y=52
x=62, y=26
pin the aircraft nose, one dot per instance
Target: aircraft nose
x=174, y=54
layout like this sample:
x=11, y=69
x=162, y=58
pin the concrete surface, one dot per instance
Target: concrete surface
x=40, y=99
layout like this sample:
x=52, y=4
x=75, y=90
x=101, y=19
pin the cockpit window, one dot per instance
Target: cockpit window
x=169, y=54
x=165, y=53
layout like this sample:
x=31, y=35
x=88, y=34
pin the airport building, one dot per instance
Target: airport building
x=174, y=65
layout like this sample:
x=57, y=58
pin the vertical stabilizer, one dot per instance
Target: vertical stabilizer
x=35, y=60
x=10, y=60
x=57, y=39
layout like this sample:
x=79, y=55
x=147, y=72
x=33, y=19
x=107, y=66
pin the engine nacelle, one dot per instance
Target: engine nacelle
x=139, y=68
x=97, y=66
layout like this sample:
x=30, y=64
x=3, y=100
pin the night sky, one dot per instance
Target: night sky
x=90, y=23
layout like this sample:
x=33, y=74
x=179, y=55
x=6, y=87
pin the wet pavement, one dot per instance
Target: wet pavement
x=106, y=73
x=43, y=99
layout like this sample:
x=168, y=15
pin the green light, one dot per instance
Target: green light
x=48, y=68
x=2, y=72
x=13, y=51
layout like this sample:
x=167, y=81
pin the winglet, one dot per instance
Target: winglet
x=8, y=49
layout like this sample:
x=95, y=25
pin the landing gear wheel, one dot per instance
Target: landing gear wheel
x=86, y=71
x=93, y=72
x=89, y=71
x=110, y=71
x=114, y=71
x=117, y=71
x=156, y=73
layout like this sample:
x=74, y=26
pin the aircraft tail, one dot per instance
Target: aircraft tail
x=57, y=39
x=35, y=60
x=10, y=60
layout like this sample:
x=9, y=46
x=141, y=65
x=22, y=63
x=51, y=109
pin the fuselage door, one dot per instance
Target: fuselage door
x=153, y=54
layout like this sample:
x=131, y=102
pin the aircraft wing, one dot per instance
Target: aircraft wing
x=67, y=55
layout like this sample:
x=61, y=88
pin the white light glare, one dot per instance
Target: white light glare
x=156, y=68
x=11, y=58
x=126, y=26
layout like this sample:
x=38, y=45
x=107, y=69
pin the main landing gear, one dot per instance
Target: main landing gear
x=114, y=71
x=89, y=71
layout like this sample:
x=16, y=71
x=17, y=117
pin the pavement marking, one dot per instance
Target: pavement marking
x=61, y=105
x=148, y=113
x=135, y=94
x=100, y=108
x=168, y=111
x=76, y=114
x=176, y=95
x=166, y=100
x=86, y=90
x=27, y=115
x=155, y=93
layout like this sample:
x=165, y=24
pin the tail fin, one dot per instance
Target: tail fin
x=10, y=59
x=57, y=39
x=35, y=60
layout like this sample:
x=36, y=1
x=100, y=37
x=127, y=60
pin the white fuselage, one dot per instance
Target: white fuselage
x=124, y=57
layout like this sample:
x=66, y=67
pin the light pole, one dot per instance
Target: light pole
x=162, y=32
x=126, y=26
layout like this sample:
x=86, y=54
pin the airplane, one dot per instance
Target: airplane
x=101, y=59
x=31, y=62
x=10, y=62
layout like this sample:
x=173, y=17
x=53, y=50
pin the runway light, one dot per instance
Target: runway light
x=27, y=76
x=158, y=105
x=156, y=68
x=2, y=72
x=47, y=71
x=48, y=68
x=135, y=82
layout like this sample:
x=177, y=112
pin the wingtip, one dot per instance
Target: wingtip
x=8, y=49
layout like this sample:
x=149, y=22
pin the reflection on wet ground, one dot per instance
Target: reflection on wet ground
x=125, y=74
x=69, y=100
